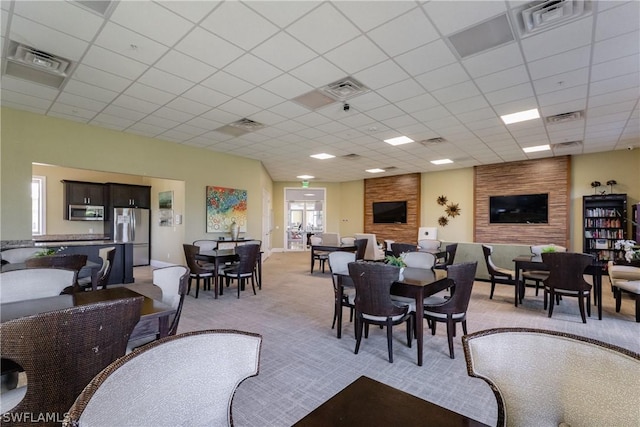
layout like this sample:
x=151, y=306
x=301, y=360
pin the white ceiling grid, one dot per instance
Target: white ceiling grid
x=178, y=71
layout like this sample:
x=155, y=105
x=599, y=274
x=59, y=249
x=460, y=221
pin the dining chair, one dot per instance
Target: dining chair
x=331, y=239
x=244, y=268
x=429, y=245
x=187, y=379
x=73, y=262
x=419, y=259
x=17, y=255
x=361, y=248
x=34, y=283
x=625, y=279
x=566, y=278
x=206, y=245
x=538, y=276
x=399, y=248
x=550, y=378
x=197, y=270
x=498, y=274
x=320, y=256
x=256, y=269
x=347, y=241
x=339, y=263
x=373, y=302
x=454, y=309
x=372, y=251
x=61, y=351
x=107, y=255
x=172, y=282
x=451, y=250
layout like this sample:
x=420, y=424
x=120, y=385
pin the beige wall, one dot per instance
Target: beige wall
x=32, y=138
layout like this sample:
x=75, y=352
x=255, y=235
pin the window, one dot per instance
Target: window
x=38, y=203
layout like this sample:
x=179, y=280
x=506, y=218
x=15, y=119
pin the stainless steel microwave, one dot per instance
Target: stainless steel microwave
x=86, y=213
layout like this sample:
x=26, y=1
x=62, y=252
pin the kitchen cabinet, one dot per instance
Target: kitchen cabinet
x=82, y=193
x=126, y=195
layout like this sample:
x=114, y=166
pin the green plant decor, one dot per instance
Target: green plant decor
x=548, y=250
x=395, y=260
x=45, y=252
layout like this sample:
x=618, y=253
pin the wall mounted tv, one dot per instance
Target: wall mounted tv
x=519, y=209
x=390, y=212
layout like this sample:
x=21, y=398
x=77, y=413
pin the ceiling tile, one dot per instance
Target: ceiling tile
x=100, y=78
x=284, y=52
x=121, y=112
x=132, y=45
x=467, y=104
x=136, y=104
x=510, y=94
x=318, y=72
x=627, y=81
x=22, y=99
x=206, y=96
x=184, y=66
x=46, y=39
x=261, y=98
x=616, y=47
x=287, y=86
x=111, y=122
x=89, y=91
x=557, y=40
x=113, y=63
x=426, y=58
x=252, y=69
x=381, y=75
x=443, y=77
x=187, y=106
x=165, y=81
x=456, y=92
x=402, y=90
x=148, y=93
x=497, y=59
x=81, y=102
x=616, y=67
x=356, y=55
x=323, y=29
x=561, y=81
x=282, y=13
x=403, y=33
x=151, y=20
x=503, y=79
x=194, y=11
x=208, y=48
x=368, y=15
x=567, y=61
x=239, y=108
x=450, y=17
x=28, y=88
x=417, y=103
x=618, y=20
x=227, y=84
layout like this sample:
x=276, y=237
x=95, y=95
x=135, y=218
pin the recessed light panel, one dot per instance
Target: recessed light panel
x=322, y=156
x=442, y=161
x=305, y=177
x=536, y=148
x=376, y=170
x=521, y=116
x=399, y=140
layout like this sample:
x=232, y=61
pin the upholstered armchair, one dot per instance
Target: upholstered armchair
x=373, y=252
x=625, y=279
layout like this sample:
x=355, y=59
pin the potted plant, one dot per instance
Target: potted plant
x=398, y=261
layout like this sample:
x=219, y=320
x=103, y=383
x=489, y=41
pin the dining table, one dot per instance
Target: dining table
x=90, y=268
x=219, y=257
x=416, y=283
x=532, y=262
x=154, y=314
x=367, y=402
x=329, y=248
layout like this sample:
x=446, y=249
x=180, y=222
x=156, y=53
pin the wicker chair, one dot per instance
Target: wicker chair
x=245, y=267
x=498, y=274
x=566, y=278
x=451, y=256
x=197, y=270
x=186, y=379
x=361, y=248
x=107, y=255
x=61, y=351
x=401, y=248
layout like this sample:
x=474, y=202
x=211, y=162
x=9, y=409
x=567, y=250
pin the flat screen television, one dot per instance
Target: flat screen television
x=390, y=212
x=519, y=209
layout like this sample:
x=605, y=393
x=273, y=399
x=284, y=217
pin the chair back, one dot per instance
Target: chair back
x=462, y=276
x=69, y=261
x=34, y=283
x=451, y=253
x=108, y=255
x=566, y=270
x=550, y=378
x=347, y=241
x=537, y=250
x=315, y=240
x=361, y=248
x=429, y=245
x=373, y=282
x=330, y=239
x=173, y=282
x=400, y=248
x=61, y=351
x=173, y=381
x=339, y=263
x=18, y=255
x=372, y=252
x=248, y=258
x=491, y=267
x=190, y=252
x=419, y=259
x=206, y=245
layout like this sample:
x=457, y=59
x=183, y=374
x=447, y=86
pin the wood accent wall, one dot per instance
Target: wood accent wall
x=551, y=175
x=393, y=189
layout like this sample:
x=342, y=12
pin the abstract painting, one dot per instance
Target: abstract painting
x=224, y=206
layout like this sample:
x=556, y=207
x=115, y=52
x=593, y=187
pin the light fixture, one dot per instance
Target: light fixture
x=322, y=156
x=442, y=161
x=375, y=170
x=520, y=116
x=537, y=148
x=399, y=140
x=309, y=194
x=305, y=177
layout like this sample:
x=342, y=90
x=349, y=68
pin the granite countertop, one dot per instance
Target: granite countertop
x=69, y=237
x=58, y=240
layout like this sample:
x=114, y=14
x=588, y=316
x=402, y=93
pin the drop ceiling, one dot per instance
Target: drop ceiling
x=181, y=70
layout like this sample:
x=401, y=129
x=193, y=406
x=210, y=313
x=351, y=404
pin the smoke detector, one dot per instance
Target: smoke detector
x=564, y=117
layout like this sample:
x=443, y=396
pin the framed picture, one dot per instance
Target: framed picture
x=166, y=217
x=225, y=206
x=165, y=200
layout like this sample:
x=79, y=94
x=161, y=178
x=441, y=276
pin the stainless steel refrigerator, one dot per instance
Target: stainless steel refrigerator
x=131, y=225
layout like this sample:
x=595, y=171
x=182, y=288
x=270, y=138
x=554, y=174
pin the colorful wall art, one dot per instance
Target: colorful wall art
x=225, y=206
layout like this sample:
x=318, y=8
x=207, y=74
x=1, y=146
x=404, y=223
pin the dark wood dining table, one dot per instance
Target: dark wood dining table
x=329, y=248
x=416, y=283
x=154, y=315
x=90, y=269
x=370, y=403
x=528, y=262
x=220, y=256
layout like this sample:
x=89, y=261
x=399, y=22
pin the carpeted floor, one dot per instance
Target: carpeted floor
x=303, y=363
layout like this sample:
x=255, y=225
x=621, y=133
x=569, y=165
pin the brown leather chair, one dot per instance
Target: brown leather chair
x=566, y=278
x=373, y=302
x=62, y=351
x=454, y=309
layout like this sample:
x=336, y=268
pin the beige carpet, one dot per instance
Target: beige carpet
x=303, y=363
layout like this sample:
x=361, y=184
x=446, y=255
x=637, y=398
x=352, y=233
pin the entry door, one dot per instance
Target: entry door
x=305, y=216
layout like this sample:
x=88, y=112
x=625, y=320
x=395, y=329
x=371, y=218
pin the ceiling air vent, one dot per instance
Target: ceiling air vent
x=28, y=63
x=433, y=141
x=351, y=156
x=240, y=127
x=344, y=89
x=542, y=15
x=565, y=117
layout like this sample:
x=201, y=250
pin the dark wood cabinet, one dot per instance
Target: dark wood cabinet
x=82, y=193
x=129, y=196
x=605, y=221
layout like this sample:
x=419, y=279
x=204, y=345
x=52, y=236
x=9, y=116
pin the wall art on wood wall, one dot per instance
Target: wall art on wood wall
x=225, y=206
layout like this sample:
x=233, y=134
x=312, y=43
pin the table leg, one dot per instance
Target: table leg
x=311, y=259
x=216, y=264
x=419, y=322
x=163, y=326
x=339, y=307
x=598, y=288
x=516, y=285
x=94, y=279
x=260, y=270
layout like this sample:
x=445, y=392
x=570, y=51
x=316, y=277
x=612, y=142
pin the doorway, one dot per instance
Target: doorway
x=305, y=216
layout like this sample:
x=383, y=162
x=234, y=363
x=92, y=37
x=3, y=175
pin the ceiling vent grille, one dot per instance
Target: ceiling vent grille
x=539, y=16
x=101, y=7
x=565, y=117
x=344, y=89
x=568, y=144
x=351, y=156
x=240, y=127
x=433, y=141
x=28, y=63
